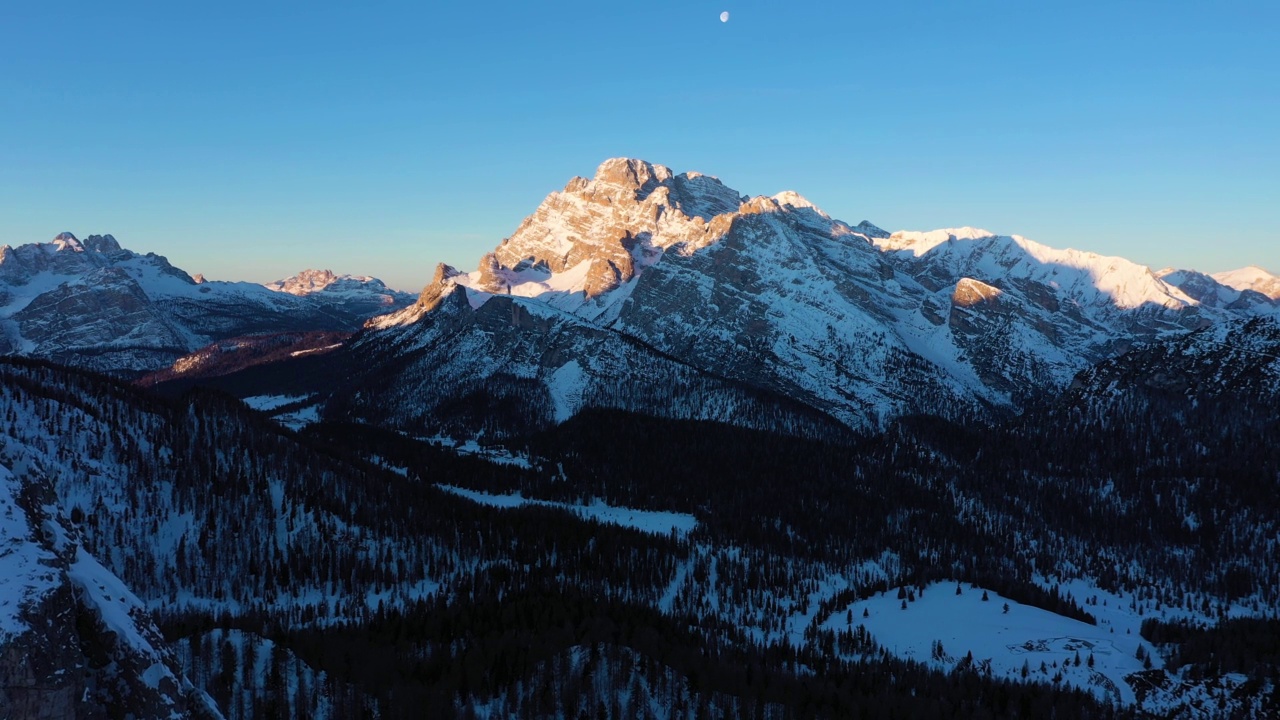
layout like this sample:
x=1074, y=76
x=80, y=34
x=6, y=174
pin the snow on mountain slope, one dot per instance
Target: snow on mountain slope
x=1049, y=313
x=1210, y=292
x=980, y=629
x=73, y=638
x=1087, y=279
x=770, y=292
x=463, y=359
x=1251, y=278
x=94, y=304
x=1236, y=359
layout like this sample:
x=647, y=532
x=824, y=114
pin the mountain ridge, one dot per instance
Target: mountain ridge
x=96, y=304
x=859, y=323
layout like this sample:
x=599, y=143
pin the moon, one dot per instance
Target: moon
x=724, y=16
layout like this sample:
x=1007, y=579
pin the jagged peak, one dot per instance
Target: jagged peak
x=796, y=200
x=67, y=241
x=631, y=172
x=866, y=227
x=101, y=243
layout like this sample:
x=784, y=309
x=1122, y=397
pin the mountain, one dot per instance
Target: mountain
x=1235, y=362
x=94, y=304
x=770, y=294
x=1251, y=278
x=358, y=296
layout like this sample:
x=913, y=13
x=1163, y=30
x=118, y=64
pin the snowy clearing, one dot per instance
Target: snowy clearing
x=650, y=521
x=1002, y=641
x=271, y=402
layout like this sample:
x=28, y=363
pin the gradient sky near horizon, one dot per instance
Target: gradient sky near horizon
x=248, y=141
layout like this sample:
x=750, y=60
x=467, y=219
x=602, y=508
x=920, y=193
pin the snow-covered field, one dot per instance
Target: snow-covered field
x=271, y=402
x=1042, y=643
x=651, y=521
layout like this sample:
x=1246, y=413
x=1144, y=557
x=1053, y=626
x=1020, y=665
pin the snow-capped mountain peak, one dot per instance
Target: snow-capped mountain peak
x=796, y=200
x=66, y=241
x=310, y=281
x=95, y=304
x=1251, y=278
x=918, y=243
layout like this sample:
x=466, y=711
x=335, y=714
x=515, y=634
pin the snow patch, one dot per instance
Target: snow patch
x=271, y=402
x=1002, y=641
x=658, y=522
x=566, y=385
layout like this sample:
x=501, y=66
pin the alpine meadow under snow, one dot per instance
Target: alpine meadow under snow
x=670, y=451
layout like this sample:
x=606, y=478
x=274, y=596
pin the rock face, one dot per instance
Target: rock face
x=94, y=304
x=74, y=641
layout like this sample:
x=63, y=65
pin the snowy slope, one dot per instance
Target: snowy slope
x=63, y=616
x=1001, y=640
x=979, y=629
x=464, y=361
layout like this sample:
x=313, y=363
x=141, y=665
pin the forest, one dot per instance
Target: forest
x=326, y=573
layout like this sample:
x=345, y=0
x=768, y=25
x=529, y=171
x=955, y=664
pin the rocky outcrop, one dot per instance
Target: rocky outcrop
x=618, y=222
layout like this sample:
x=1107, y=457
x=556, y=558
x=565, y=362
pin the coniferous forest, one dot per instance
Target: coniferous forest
x=343, y=571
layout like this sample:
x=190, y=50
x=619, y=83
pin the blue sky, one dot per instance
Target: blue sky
x=251, y=140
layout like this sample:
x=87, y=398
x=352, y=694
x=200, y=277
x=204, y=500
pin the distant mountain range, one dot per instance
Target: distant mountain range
x=94, y=304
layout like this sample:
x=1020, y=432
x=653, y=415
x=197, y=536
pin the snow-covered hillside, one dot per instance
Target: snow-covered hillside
x=74, y=640
x=952, y=625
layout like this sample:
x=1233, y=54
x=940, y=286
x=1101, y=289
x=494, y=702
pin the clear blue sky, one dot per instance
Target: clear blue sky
x=251, y=140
